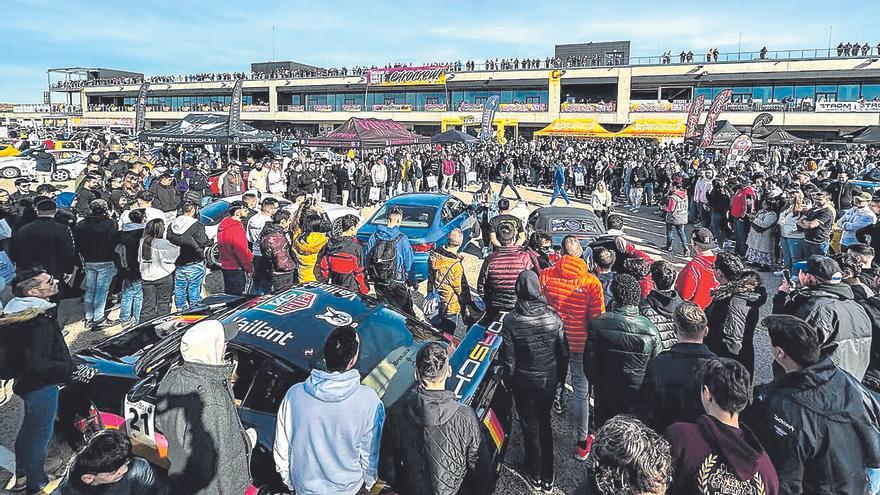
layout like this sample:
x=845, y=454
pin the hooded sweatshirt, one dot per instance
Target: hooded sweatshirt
x=712, y=457
x=188, y=234
x=307, y=249
x=327, y=434
x=233, y=246
x=32, y=340
x=404, y=249
x=161, y=263
x=696, y=280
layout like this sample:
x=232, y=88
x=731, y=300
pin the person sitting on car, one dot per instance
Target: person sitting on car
x=106, y=466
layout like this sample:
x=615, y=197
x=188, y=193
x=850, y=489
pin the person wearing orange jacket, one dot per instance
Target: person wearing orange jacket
x=696, y=281
x=577, y=295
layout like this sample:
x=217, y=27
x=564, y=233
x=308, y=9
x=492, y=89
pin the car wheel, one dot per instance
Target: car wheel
x=212, y=257
x=10, y=173
x=60, y=176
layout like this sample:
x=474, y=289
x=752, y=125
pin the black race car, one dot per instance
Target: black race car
x=562, y=221
x=280, y=340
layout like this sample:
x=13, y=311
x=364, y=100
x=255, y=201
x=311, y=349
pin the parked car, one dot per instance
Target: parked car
x=427, y=220
x=561, y=221
x=69, y=163
x=279, y=341
x=213, y=213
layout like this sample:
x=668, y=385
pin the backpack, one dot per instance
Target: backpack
x=382, y=263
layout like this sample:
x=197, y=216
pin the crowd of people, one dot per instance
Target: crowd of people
x=855, y=49
x=661, y=362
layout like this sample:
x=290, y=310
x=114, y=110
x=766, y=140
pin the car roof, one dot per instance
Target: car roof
x=293, y=325
x=419, y=199
x=562, y=211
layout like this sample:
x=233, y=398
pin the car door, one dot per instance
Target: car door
x=455, y=215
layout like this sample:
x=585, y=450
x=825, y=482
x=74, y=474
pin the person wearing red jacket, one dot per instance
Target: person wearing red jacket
x=236, y=258
x=696, y=281
x=577, y=295
x=743, y=207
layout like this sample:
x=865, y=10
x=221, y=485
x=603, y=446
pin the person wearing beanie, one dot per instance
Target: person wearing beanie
x=96, y=238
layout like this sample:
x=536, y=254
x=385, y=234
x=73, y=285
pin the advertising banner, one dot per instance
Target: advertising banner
x=693, y=118
x=235, y=106
x=488, y=116
x=658, y=106
x=350, y=107
x=470, y=107
x=435, y=107
x=848, y=106
x=719, y=103
x=140, y=109
x=407, y=76
x=522, y=107
x=760, y=121
x=322, y=108
x=101, y=122
x=255, y=108
x=392, y=107
x=588, y=107
x=738, y=150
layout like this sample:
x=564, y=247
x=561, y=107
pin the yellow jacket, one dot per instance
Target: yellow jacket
x=307, y=253
x=448, y=285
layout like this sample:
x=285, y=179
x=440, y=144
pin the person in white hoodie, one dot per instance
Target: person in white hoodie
x=328, y=428
x=157, y=257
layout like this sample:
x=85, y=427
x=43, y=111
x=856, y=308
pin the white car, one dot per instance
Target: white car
x=69, y=163
x=213, y=213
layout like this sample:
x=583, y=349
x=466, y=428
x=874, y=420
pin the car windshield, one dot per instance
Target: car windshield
x=413, y=216
x=214, y=213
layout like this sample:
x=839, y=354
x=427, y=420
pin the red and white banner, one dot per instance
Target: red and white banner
x=719, y=103
x=693, y=118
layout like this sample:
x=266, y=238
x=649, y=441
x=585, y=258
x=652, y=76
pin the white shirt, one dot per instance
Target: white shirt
x=255, y=229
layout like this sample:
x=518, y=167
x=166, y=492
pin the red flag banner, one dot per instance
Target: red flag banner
x=693, y=120
x=719, y=103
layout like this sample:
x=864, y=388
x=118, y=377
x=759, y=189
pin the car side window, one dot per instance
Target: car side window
x=447, y=214
x=270, y=385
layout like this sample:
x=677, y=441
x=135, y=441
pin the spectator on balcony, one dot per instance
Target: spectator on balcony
x=763, y=53
x=690, y=56
x=855, y=49
x=715, y=55
x=866, y=49
x=840, y=48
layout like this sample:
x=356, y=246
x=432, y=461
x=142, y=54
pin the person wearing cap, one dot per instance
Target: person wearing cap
x=45, y=243
x=22, y=189
x=696, y=280
x=858, y=217
x=208, y=448
x=40, y=361
x=813, y=421
x=236, y=258
x=95, y=238
x=816, y=224
x=165, y=194
x=829, y=306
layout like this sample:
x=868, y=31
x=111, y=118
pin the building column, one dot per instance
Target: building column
x=624, y=85
x=554, y=93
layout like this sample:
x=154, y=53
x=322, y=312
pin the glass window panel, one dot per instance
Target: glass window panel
x=780, y=92
x=848, y=92
x=826, y=88
x=704, y=92
x=763, y=93
x=801, y=92
x=507, y=97
x=871, y=91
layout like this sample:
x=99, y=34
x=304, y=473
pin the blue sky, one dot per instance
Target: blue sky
x=173, y=37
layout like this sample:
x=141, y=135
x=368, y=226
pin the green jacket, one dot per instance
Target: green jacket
x=619, y=345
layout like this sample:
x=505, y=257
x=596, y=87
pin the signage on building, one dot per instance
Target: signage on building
x=101, y=122
x=848, y=106
x=407, y=76
x=392, y=107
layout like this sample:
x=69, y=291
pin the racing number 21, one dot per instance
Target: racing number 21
x=140, y=420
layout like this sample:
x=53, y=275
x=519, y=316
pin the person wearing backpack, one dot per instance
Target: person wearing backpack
x=342, y=259
x=389, y=262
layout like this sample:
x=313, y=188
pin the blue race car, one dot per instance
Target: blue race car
x=280, y=340
x=427, y=220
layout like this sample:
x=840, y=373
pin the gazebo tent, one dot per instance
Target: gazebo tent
x=868, y=135
x=578, y=128
x=367, y=133
x=781, y=137
x=724, y=135
x=654, y=128
x=452, y=136
x=206, y=128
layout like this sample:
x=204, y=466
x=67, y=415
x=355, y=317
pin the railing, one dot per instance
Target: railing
x=53, y=108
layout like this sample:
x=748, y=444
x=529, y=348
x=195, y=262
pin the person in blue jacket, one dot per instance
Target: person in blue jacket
x=392, y=287
x=559, y=184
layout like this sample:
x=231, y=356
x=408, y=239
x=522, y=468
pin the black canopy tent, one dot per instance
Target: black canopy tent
x=724, y=135
x=782, y=137
x=206, y=128
x=868, y=135
x=452, y=136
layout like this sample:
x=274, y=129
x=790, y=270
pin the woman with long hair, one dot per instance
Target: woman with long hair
x=308, y=242
x=601, y=202
x=792, y=239
x=157, y=257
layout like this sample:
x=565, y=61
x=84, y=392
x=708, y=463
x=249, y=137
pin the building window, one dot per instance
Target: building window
x=848, y=92
x=871, y=91
x=805, y=93
x=782, y=92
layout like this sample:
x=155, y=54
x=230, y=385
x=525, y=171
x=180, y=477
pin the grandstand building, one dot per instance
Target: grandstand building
x=812, y=91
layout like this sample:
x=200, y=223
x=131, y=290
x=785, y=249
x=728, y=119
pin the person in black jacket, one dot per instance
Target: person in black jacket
x=659, y=306
x=815, y=422
x=165, y=195
x=96, y=238
x=40, y=361
x=45, y=243
x=128, y=263
x=341, y=261
x=106, y=465
x=734, y=310
x=670, y=391
x=87, y=193
x=431, y=443
x=188, y=233
x=534, y=359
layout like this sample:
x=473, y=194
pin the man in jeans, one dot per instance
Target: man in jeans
x=262, y=272
x=95, y=239
x=236, y=259
x=816, y=224
x=188, y=233
x=40, y=361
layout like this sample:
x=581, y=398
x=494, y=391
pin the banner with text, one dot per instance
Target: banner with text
x=140, y=111
x=588, y=107
x=488, y=116
x=407, y=76
x=235, y=107
x=719, y=103
x=393, y=107
x=848, y=106
x=658, y=106
x=738, y=150
x=522, y=107
x=693, y=118
x=761, y=121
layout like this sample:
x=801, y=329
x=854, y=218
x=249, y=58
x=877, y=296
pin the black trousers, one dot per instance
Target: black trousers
x=396, y=295
x=234, y=282
x=157, y=297
x=508, y=182
x=533, y=405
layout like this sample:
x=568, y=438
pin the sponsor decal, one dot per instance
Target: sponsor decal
x=308, y=352
x=465, y=373
x=84, y=373
x=781, y=427
x=262, y=330
x=334, y=290
x=407, y=76
x=289, y=302
x=495, y=429
x=335, y=317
